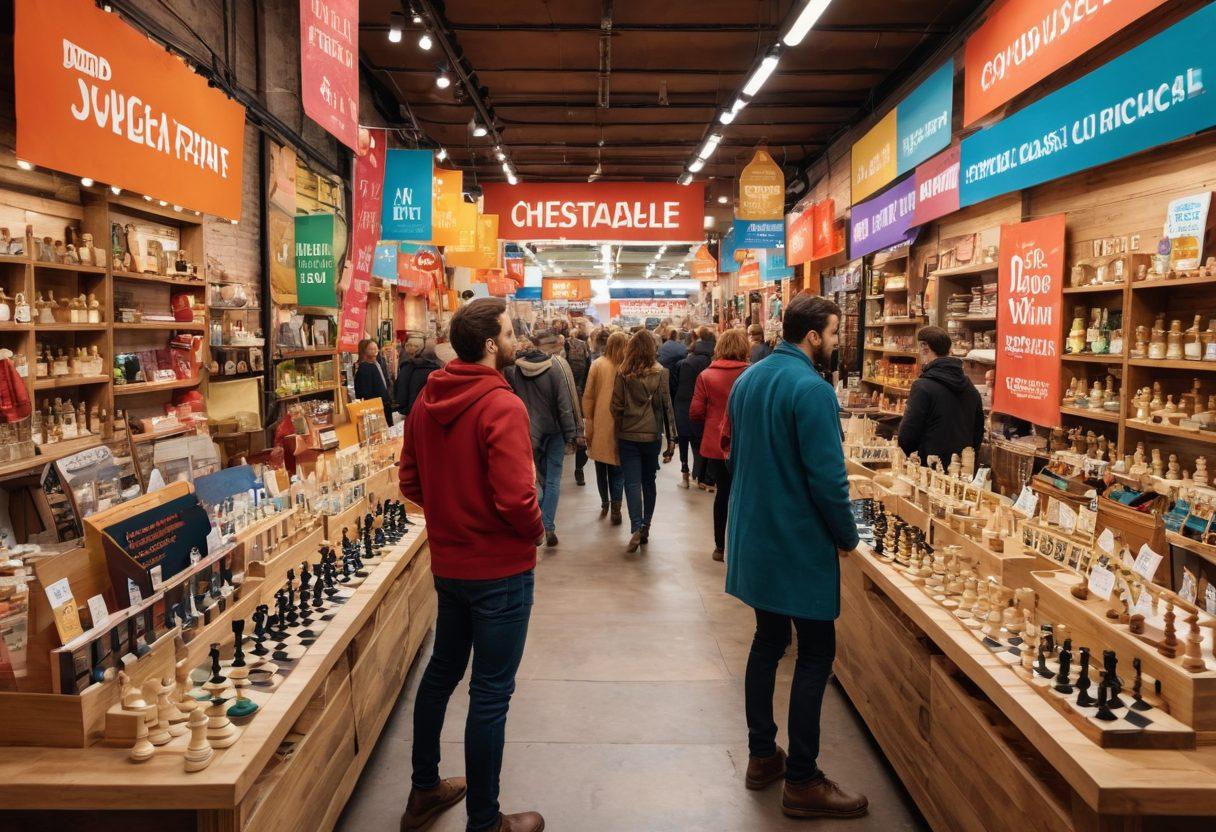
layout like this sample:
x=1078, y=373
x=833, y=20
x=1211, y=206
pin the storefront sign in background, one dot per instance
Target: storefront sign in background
x=642, y=309
x=875, y=158
x=407, y=208
x=937, y=187
x=96, y=98
x=329, y=66
x=751, y=234
x=500, y=285
x=566, y=288
x=884, y=221
x=761, y=189
x=1029, y=305
x=1150, y=95
x=827, y=240
x=1024, y=41
x=598, y=211
x=514, y=269
x=315, y=260
x=923, y=118
x=800, y=237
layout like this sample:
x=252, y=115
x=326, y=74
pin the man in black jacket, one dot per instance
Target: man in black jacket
x=944, y=413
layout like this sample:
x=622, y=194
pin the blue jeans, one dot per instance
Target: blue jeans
x=608, y=478
x=489, y=618
x=550, y=457
x=639, y=464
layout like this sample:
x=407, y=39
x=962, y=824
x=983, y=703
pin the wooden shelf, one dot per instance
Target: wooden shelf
x=9, y=326
x=196, y=326
x=1092, y=359
x=1202, y=437
x=991, y=319
x=1101, y=287
x=69, y=381
x=154, y=386
x=331, y=388
x=896, y=353
x=139, y=438
x=69, y=267
x=889, y=414
x=1086, y=413
x=875, y=297
x=14, y=260
x=326, y=353
x=171, y=280
x=70, y=327
x=234, y=308
x=894, y=289
x=900, y=321
x=968, y=270
x=1198, y=280
x=48, y=453
x=1172, y=364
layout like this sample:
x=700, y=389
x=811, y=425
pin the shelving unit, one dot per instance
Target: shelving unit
x=966, y=328
x=890, y=329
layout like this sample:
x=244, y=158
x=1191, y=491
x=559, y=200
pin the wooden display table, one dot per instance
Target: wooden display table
x=296, y=762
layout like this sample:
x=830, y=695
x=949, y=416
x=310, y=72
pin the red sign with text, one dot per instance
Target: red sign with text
x=500, y=285
x=354, y=308
x=329, y=66
x=827, y=241
x=515, y=269
x=937, y=187
x=1030, y=301
x=364, y=231
x=598, y=211
x=800, y=237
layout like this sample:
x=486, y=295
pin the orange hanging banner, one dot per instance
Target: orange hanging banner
x=484, y=254
x=95, y=98
x=445, y=220
x=500, y=285
x=800, y=237
x=704, y=266
x=567, y=288
x=749, y=275
x=761, y=189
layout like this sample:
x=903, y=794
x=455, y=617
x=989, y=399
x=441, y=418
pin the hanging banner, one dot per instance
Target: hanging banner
x=1186, y=220
x=749, y=276
x=384, y=264
x=419, y=268
x=1031, y=298
x=772, y=265
x=598, y=211
x=368, y=191
x=445, y=220
x=884, y=221
x=728, y=261
x=759, y=233
x=643, y=309
x=704, y=266
x=97, y=98
x=329, y=66
x=514, y=269
x=937, y=187
x=800, y=237
x=354, y=311
x=827, y=241
x=500, y=285
x=466, y=226
x=923, y=118
x=1023, y=41
x=874, y=159
x=315, y=260
x=406, y=213
x=761, y=189
x=566, y=288
x=1147, y=96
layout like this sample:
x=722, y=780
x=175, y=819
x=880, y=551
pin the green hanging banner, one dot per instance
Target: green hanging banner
x=315, y=270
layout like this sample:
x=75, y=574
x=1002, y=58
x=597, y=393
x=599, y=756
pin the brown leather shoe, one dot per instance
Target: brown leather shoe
x=822, y=799
x=719, y=556
x=616, y=512
x=425, y=805
x=761, y=771
x=523, y=822
x=634, y=542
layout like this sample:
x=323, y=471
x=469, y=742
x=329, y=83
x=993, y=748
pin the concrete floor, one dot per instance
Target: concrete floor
x=628, y=713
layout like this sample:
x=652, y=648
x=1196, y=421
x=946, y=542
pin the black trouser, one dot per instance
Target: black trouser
x=683, y=442
x=580, y=459
x=816, y=650
x=720, y=475
x=610, y=482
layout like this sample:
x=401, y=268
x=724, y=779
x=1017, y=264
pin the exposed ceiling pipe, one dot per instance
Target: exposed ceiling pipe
x=605, y=73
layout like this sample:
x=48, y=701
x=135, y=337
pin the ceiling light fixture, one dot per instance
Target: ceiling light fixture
x=478, y=129
x=86, y=181
x=727, y=116
x=696, y=165
x=708, y=148
x=807, y=18
x=441, y=154
x=739, y=104
x=24, y=165
x=709, y=221
x=685, y=179
x=396, y=26
x=417, y=18
x=147, y=198
x=762, y=73
x=424, y=41
x=117, y=191
x=511, y=179
x=722, y=200
x=498, y=154
x=443, y=80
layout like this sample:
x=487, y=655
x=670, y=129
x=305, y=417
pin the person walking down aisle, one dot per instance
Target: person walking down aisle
x=578, y=359
x=642, y=412
x=412, y=374
x=760, y=348
x=708, y=410
x=688, y=431
x=601, y=429
x=944, y=413
x=539, y=378
x=788, y=522
x=672, y=352
x=371, y=382
x=483, y=527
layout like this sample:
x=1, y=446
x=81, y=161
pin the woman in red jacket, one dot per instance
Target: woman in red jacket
x=709, y=407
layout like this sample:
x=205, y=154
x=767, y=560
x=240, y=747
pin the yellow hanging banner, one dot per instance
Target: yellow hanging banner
x=761, y=189
x=447, y=188
x=875, y=159
x=484, y=254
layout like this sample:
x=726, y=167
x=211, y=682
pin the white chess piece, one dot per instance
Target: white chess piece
x=198, y=752
x=143, y=750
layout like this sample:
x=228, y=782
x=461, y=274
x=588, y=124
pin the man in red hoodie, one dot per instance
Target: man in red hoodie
x=467, y=460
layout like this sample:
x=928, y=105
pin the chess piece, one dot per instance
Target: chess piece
x=1041, y=667
x=198, y=752
x=220, y=731
x=1138, y=703
x=1084, y=700
x=1168, y=646
x=1193, y=660
x=164, y=730
x=1104, y=712
x=143, y=749
x=1063, y=680
x=1110, y=675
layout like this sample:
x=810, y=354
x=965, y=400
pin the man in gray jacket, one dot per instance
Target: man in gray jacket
x=546, y=387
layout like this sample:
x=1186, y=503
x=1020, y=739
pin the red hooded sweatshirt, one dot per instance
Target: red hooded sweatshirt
x=709, y=400
x=467, y=460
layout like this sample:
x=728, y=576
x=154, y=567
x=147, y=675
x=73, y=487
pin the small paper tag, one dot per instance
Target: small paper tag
x=1101, y=581
x=1051, y=514
x=1068, y=518
x=1106, y=542
x=63, y=605
x=1087, y=521
x=1146, y=562
x=1144, y=604
x=1210, y=599
x=1188, y=589
x=154, y=573
x=59, y=593
x=137, y=597
x=981, y=477
x=98, y=611
x=1026, y=501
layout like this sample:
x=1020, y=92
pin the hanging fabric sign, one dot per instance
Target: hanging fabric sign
x=484, y=254
x=1147, y=96
x=96, y=98
x=598, y=211
x=566, y=288
x=761, y=189
x=407, y=208
x=827, y=241
x=1030, y=300
x=315, y=260
x=445, y=220
x=368, y=188
x=1023, y=41
x=515, y=269
x=759, y=233
x=417, y=266
x=704, y=266
x=354, y=311
x=500, y=285
x=384, y=265
x=874, y=159
x=728, y=261
x=329, y=66
x=749, y=275
x=923, y=118
x=465, y=236
x=937, y=187
x=800, y=237
x=772, y=265
x=884, y=221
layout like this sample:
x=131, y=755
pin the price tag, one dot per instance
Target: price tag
x=1068, y=518
x=1087, y=521
x=155, y=574
x=1210, y=599
x=1146, y=562
x=1188, y=589
x=1026, y=501
x=136, y=596
x=1106, y=542
x=1144, y=605
x=1101, y=582
x=1051, y=514
x=98, y=611
x=63, y=605
x=981, y=477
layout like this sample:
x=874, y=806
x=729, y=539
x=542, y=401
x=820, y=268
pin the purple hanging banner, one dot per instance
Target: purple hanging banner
x=884, y=221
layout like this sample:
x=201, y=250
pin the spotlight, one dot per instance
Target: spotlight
x=114, y=189
x=86, y=181
x=806, y=19
x=707, y=149
x=685, y=179
x=441, y=154
x=498, y=154
x=147, y=198
x=24, y=165
x=177, y=208
x=511, y=180
x=396, y=26
x=478, y=129
x=722, y=200
x=727, y=116
x=234, y=222
x=761, y=74
x=442, y=80
x=424, y=42
x=163, y=203
x=709, y=221
x=696, y=165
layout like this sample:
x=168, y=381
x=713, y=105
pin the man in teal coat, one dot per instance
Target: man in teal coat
x=788, y=520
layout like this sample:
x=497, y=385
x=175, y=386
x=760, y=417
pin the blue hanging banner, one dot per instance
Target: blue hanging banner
x=772, y=265
x=726, y=251
x=759, y=233
x=922, y=120
x=406, y=206
x=384, y=265
x=1148, y=96
x=528, y=293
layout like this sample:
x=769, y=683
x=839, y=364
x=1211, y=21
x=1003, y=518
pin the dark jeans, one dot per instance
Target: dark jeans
x=610, y=482
x=719, y=474
x=698, y=461
x=580, y=459
x=550, y=459
x=489, y=618
x=639, y=464
x=816, y=650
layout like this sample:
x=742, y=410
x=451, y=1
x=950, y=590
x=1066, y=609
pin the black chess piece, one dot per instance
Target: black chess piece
x=330, y=569
x=217, y=678
x=1110, y=665
x=1084, y=700
x=1104, y=712
x=291, y=618
x=1049, y=639
x=1138, y=703
x=345, y=541
x=1041, y=668
x=1063, y=682
x=238, y=637
x=259, y=630
x=317, y=601
x=346, y=571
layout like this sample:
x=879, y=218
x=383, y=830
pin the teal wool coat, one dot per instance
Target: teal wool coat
x=789, y=497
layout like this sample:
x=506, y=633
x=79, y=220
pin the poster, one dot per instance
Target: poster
x=1023, y=41
x=800, y=237
x=923, y=118
x=1186, y=220
x=448, y=186
x=566, y=288
x=874, y=158
x=407, y=207
x=937, y=187
x=1029, y=308
x=728, y=261
x=97, y=98
x=514, y=269
x=315, y=260
x=751, y=234
x=884, y=221
x=385, y=264
x=329, y=66
x=1149, y=95
x=598, y=211
x=352, y=321
x=368, y=192
x=772, y=265
x=704, y=266
x=749, y=275
x=827, y=240
x=761, y=189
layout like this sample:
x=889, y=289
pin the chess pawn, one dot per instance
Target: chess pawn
x=173, y=713
x=198, y=752
x=143, y=749
x=1168, y=645
x=1193, y=660
x=1158, y=465
x=1173, y=341
x=996, y=613
x=220, y=731
x=1192, y=347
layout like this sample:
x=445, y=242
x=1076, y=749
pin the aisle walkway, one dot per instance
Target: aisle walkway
x=628, y=715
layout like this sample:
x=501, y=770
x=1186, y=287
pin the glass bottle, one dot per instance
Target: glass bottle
x=1173, y=349
x=1192, y=349
x=1156, y=344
